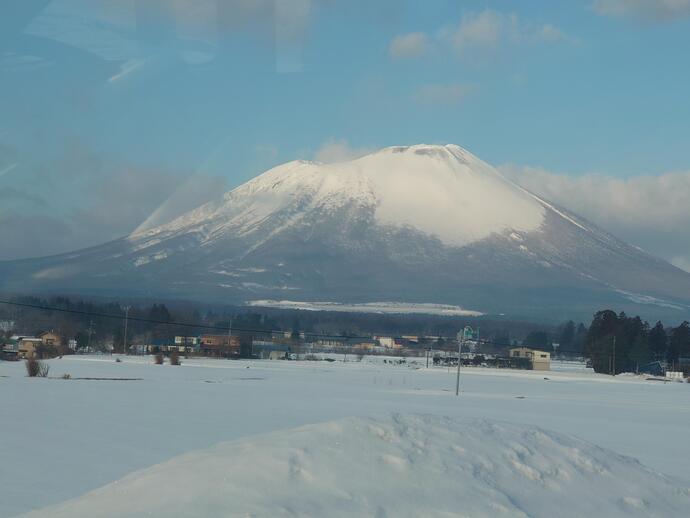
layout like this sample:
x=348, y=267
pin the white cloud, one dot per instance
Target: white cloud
x=652, y=212
x=550, y=33
x=291, y=20
x=339, y=150
x=445, y=94
x=409, y=46
x=656, y=10
x=478, y=32
x=681, y=262
x=485, y=30
x=82, y=198
x=490, y=30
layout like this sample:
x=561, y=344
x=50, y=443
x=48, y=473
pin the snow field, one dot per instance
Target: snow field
x=402, y=465
x=63, y=438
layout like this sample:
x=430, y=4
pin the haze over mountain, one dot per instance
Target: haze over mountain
x=419, y=224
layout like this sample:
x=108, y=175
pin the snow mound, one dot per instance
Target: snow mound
x=403, y=465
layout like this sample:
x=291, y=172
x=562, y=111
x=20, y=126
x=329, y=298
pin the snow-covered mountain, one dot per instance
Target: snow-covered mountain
x=418, y=224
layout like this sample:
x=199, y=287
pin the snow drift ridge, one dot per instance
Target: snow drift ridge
x=403, y=465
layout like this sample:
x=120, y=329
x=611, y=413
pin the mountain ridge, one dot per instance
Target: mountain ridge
x=415, y=224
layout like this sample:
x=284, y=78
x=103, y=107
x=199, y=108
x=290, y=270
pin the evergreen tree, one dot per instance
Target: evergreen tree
x=632, y=337
x=640, y=353
x=679, y=343
x=538, y=340
x=501, y=337
x=295, y=335
x=617, y=343
x=658, y=341
x=600, y=339
x=567, y=336
x=580, y=337
x=295, y=338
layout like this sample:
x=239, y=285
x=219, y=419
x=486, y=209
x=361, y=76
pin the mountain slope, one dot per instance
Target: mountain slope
x=413, y=224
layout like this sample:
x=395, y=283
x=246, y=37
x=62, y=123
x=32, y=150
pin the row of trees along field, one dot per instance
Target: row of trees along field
x=619, y=343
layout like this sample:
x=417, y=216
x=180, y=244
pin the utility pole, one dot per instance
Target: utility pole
x=124, y=338
x=461, y=338
x=88, y=346
x=229, y=335
x=614, y=355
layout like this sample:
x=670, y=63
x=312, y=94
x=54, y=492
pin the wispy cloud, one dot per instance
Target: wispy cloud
x=478, y=32
x=649, y=211
x=6, y=169
x=409, y=46
x=339, y=150
x=291, y=20
x=444, y=94
x=127, y=68
x=114, y=198
x=490, y=30
x=651, y=10
x=551, y=33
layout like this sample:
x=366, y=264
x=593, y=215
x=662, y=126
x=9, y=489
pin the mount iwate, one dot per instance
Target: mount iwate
x=429, y=225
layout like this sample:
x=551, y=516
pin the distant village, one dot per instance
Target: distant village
x=287, y=345
x=613, y=343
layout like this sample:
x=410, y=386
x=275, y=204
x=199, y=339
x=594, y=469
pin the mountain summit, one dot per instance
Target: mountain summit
x=416, y=224
x=442, y=191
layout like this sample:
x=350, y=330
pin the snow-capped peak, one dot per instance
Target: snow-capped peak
x=443, y=191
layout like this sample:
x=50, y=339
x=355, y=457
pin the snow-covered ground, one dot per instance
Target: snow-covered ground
x=388, y=308
x=396, y=466
x=482, y=451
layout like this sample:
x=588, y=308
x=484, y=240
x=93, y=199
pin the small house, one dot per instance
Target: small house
x=10, y=350
x=27, y=346
x=220, y=345
x=539, y=360
x=50, y=339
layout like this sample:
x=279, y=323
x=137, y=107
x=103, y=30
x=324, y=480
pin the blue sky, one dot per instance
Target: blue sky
x=114, y=108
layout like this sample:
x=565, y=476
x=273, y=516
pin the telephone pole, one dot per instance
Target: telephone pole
x=88, y=346
x=457, y=378
x=614, y=355
x=229, y=335
x=124, y=338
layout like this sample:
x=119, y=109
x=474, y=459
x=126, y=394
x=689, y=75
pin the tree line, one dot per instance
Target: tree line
x=614, y=342
x=618, y=343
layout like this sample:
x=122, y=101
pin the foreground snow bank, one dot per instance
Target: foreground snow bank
x=404, y=465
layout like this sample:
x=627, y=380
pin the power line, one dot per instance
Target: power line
x=220, y=328
x=170, y=322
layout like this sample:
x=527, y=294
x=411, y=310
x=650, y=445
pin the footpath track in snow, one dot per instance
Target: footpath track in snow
x=63, y=438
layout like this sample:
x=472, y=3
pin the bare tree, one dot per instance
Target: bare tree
x=36, y=368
